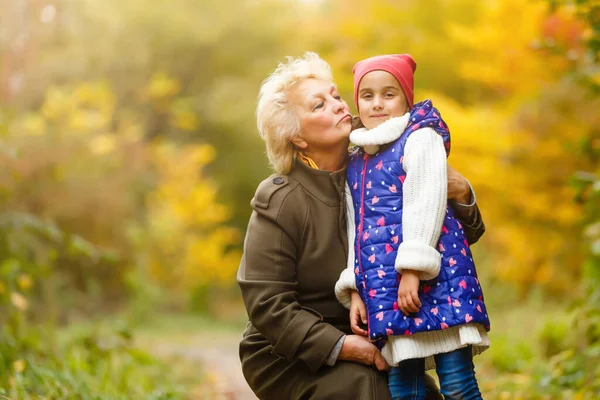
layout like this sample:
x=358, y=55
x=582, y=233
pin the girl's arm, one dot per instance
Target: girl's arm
x=424, y=203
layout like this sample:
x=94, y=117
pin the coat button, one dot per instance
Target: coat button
x=278, y=180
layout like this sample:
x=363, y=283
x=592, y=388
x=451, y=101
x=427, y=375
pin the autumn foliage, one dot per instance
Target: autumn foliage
x=129, y=150
x=517, y=114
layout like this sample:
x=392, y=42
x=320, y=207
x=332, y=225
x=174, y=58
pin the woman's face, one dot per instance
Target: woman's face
x=380, y=98
x=325, y=120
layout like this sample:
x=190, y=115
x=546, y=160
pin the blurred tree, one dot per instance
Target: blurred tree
x=486, y=70
x=106, y=108
x=218, y=57
x=80, y=163
x=535, y=225
x=188, y=244
x=576, y=366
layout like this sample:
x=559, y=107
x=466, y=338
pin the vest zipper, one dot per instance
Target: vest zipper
x=359, y=238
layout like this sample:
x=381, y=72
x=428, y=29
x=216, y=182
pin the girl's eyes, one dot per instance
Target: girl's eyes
x=337, y=97
x=369, y=96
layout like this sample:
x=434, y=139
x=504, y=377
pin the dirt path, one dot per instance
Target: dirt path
x=211, y=357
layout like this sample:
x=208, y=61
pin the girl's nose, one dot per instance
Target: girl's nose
x=377, y=103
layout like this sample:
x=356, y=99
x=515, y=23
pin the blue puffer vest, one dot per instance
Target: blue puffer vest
x=454, y=297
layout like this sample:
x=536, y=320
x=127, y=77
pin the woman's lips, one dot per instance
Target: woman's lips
x=344, y=118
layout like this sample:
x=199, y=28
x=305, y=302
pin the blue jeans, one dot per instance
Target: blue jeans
x=455, y=371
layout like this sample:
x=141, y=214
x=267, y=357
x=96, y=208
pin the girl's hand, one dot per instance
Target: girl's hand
x=408, y=292
x=358, y=313
x=358, y=349
x=458, y=187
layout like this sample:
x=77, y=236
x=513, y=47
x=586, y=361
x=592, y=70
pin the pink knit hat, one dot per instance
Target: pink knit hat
x=402, y=66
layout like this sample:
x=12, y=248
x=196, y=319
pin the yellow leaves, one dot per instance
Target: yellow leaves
x=181, y=166
x=203, y=154
x=103, y=144
x=186, y=215
x=183, y=116
x=595, y=77
x=85, y=107
x=579, y=396
x=207, y=260
x=185, y=120
x=502, y=56
x=97, y=96
x=24, y=282
x=130, y=129
x=497, y=29
x=58, y=104
x=520, y=168
x=82, y=120
x=520, y=158
x=19, y=366
x=161, y=92
x=94, y=107
x=162, y=86
x=32, y=124
x=479, y=137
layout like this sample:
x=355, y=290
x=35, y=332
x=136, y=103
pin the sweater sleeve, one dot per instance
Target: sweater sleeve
x=335, y=353
x=347, y=281
x=470, y=216
x=424, y=203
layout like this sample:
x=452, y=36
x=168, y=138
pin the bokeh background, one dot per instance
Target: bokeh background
x=129, y=154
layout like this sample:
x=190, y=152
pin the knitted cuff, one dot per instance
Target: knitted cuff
x=472, y=196
x=344, y=286
x=418, y=256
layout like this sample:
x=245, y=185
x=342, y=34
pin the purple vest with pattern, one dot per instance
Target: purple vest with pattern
x=454, y=297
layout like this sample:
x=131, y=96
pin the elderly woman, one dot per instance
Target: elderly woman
x=298, y=343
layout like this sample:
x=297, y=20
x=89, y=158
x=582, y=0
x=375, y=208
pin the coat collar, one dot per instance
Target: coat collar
x=327, y=186
x=385, y=133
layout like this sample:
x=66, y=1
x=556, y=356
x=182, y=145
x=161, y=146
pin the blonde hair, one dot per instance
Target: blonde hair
x=275, y=115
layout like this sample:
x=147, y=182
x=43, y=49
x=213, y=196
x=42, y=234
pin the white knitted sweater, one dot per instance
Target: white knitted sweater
x=424, y=207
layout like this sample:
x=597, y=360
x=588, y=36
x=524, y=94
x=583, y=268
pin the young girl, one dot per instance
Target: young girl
x=410, y=261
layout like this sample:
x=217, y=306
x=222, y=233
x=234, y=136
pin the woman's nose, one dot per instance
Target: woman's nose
x=338, y=105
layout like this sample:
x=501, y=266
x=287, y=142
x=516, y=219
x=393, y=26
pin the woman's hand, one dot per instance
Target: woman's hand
x=358, y=313
x=458, y=187
x=408, y=292
x=358, y=349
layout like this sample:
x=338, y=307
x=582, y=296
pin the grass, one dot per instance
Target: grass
x=97, y=366
x=187, y=356
x=106, y=360
x=503, y=371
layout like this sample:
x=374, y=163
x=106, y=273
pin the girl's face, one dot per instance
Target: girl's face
x=380, y=98
x=325, y=119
